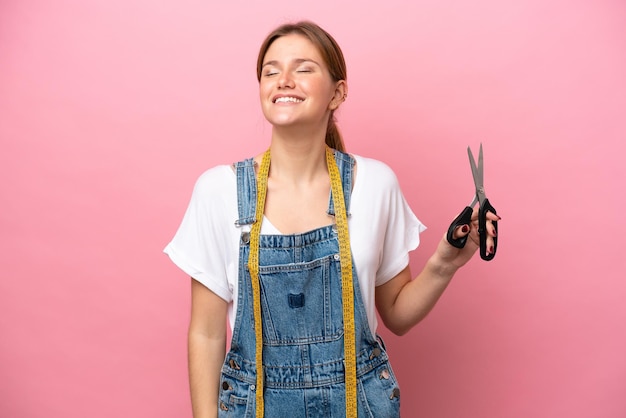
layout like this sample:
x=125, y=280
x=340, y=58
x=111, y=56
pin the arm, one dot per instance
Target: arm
x=402, y=302
x=207, y=349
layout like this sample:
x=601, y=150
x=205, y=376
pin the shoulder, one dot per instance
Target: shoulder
x=215, y=188
x=375, y=172
x=216, y=179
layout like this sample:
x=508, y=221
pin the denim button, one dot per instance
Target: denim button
x=252, y=387
x=384, y=374
x=395, y=393
x=245, y=237
x=233, y=364
x=223, y=406
x=336, y=257
x=225, y=385
x=375, y=353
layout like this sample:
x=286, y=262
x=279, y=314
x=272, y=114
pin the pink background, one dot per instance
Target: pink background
x=109, y=111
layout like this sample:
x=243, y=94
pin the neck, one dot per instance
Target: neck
x=297, y=158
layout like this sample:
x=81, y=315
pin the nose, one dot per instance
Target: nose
x=285, y=80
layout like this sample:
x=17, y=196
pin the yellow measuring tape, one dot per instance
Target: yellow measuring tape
x=347, y=287
x=253, y=267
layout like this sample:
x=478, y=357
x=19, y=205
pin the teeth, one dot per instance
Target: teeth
x=288, y=100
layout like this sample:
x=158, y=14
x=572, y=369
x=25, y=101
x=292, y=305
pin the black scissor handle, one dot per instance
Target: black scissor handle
x=463, y=219
x=482, y=230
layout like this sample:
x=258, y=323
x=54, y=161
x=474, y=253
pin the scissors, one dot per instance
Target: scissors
x=484, y=206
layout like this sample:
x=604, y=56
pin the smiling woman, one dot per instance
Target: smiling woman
x=298, y=252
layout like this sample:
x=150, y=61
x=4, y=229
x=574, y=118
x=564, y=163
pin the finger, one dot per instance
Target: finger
x=490, y=245
x=461, y=231
x=492, y=216
x=491, y=232
x=491, y=228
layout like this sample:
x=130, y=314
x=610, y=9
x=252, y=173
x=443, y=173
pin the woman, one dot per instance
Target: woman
x=298, y=248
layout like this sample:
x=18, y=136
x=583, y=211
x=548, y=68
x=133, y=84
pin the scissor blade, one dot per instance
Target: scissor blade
x=477, y=171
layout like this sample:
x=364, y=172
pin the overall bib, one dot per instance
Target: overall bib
x=301, y=311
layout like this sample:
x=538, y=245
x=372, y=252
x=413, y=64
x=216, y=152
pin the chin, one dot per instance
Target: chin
x=283, y=121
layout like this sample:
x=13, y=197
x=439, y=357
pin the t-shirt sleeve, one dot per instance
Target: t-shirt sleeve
x=402, y=229
x=200, y=246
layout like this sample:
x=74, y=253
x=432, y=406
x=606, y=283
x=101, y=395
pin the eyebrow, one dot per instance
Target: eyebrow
x=296, y=61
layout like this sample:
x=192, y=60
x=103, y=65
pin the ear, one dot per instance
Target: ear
x=340, y=94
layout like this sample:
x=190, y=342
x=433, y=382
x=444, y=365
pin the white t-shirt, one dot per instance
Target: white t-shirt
x=383, y=230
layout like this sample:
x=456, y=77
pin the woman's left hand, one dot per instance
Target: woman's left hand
x=457, y=257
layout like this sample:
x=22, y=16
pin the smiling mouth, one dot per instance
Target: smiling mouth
x=288, y=100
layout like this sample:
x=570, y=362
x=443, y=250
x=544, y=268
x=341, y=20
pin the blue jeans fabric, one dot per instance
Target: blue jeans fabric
x=301, y=304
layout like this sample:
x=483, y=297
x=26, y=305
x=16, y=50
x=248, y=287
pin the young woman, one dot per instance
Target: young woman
x=297, y=248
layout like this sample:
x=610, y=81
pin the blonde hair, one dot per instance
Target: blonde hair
x=330, y=52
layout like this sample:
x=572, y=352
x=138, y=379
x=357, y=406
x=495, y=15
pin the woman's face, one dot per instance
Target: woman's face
x=296, y=88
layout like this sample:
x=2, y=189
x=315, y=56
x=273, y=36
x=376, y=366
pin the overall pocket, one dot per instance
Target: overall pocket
x=301, y=302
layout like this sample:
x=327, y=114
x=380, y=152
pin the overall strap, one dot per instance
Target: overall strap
x=345, y=164
x=246, y=191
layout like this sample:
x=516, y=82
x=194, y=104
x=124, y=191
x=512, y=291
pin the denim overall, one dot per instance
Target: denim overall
x=301, y=307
